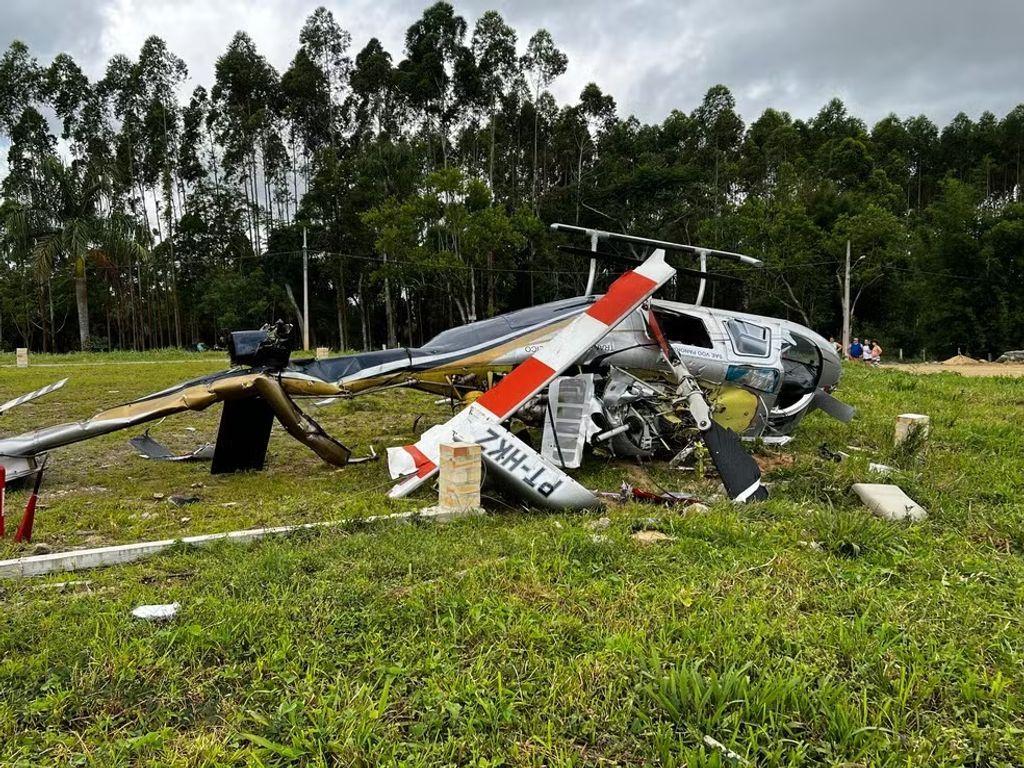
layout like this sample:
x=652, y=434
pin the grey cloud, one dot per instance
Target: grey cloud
x=908, y=56
x=50, y=27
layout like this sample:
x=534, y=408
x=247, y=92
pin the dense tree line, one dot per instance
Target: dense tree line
x=134, y=217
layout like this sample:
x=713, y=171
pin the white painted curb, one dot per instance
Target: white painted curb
x=78, y=559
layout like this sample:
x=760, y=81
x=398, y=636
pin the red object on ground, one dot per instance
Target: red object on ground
x=24, y=532
x=3, y=498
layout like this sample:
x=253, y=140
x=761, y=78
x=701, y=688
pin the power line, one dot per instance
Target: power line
x=768, y=268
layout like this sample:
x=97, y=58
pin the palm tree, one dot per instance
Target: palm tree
x=67, y=222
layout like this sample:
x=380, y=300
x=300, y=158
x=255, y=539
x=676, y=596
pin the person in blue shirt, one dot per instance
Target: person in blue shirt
x=856, y=350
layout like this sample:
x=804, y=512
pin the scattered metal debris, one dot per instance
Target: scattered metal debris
x=668, y=498
x=28, y=518
x=149, y=448
x=829, y=455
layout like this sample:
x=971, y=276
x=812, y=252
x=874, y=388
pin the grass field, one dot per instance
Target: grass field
x=525, y=638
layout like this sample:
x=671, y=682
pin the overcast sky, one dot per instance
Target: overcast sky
x=935, y=57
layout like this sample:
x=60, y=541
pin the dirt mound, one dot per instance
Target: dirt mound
x=961, y=360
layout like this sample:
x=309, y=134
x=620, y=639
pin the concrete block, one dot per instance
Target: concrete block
x=909, y=423
x=889, y=502
x=21, y=357
x=442, y=514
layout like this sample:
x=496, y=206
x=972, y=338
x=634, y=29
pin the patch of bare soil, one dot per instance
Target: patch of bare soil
x=976, y=369
x=961, y=360
x=772, y=461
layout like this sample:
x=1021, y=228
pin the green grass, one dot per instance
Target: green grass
x=525, y=638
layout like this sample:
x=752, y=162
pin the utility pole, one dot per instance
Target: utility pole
x=847, y=320
x=305, y=290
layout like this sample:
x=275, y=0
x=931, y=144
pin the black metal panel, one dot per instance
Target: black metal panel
x=736, y=467
x=243, y=436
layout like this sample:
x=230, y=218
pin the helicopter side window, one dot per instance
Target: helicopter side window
x=748, y=338
x=684, y=329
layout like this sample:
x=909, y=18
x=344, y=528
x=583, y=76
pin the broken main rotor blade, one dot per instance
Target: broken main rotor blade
x=234, y=388
x=417, y=463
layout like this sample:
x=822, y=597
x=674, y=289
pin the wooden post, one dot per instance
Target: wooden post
x=460, y=476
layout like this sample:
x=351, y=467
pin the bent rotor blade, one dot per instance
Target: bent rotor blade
x=739, y=472
x=32, y=395
x=417, y=463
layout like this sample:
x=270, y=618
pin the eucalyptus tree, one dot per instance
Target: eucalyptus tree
x=244, y=101
x=307, y=106
x=544, y=62
x=494, y=49
x=433, y=48
x=326, y=44
x=372, y=103
x=1012, y=128
x=196, y=153
x=720, y=134
x=20, y=82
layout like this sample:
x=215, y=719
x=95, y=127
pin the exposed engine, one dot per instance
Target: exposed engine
x=618, y=412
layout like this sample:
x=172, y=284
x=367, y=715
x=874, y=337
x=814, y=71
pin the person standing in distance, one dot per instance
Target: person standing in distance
x=855, y=351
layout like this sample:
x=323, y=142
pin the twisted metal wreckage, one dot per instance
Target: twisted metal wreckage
x=620, y=372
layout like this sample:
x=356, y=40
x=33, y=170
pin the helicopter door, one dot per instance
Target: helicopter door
x=802, y=366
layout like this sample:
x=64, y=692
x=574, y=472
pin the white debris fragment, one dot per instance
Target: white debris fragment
x=156, y=612
x=881, y=469
x=776, y=439
x=814, y=546
x=713, y=743
x=889, y=502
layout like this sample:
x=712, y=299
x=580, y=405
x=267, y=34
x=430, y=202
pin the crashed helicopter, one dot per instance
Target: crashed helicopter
x=620, y=372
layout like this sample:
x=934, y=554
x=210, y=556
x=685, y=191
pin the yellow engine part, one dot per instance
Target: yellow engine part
x=734, y=408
